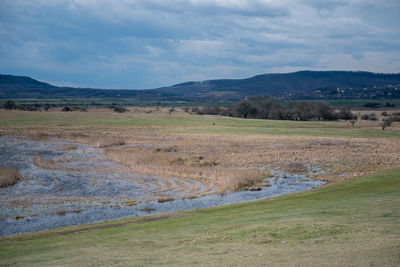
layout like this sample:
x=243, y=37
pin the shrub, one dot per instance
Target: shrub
x=373, y=118
x=66, y=109
x=296, y=167
x=365, y=117
x=120, y=109
x=395, y=118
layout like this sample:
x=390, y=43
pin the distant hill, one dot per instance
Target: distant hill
x=297, y=85
x=25, y=87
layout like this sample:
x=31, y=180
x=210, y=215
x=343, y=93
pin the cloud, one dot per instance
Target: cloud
x=146, y=44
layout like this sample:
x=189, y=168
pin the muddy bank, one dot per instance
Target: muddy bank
x=70, y=184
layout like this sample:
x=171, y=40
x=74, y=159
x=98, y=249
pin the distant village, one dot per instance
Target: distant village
x=369, y=92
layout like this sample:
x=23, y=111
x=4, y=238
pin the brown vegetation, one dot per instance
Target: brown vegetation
x=165, y=199
x=9, y=176
x=64, y=212
x=68, y=147
x=104, y=142
x=295, y=167
x=234, y=162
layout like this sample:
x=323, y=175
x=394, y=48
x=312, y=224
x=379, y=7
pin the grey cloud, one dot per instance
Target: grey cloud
x=144, y=44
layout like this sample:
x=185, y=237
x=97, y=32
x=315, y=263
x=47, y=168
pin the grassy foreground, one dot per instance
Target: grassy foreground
x=355, y=223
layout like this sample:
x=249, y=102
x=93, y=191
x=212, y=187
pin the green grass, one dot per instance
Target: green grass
x=185, y=123
x=355, y=223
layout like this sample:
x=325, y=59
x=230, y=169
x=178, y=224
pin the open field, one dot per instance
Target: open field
x=181, y=122
x=354, y=223
x=351, y=221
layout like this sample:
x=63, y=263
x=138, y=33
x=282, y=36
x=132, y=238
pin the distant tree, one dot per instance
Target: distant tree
x=325, y=112
x=304, y=111
x=10, y=105
x=353, y=122
x=345, y=114
x=395, y=118
x=265, y=107
x=66, y=109
x=244, y=109
x=268, y=106
x=386, y=123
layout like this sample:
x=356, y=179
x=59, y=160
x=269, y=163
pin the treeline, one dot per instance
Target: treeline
x=10, y=105
x=270, y=108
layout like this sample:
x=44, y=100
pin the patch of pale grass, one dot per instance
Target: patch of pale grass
x=56, y=164
x=45, y=163
x=9, y=176
x=237, y=180
x=177, y=165
x=68, y=147
x=104, y=142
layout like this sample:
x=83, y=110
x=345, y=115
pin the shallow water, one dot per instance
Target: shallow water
x=83, y=187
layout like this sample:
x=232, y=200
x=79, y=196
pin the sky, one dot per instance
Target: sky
x=140, y=44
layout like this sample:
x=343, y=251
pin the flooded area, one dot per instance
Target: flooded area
x=66, y=183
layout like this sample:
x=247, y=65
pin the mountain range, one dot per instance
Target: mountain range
x=287, y=86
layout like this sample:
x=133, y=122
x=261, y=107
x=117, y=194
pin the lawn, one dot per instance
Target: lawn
x=354, y=223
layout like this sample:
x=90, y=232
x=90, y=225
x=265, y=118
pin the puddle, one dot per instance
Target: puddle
x=275, y=144
x=83, y=187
